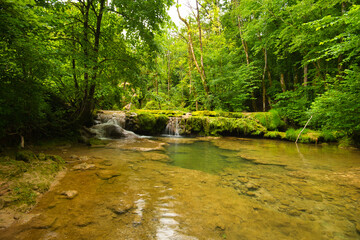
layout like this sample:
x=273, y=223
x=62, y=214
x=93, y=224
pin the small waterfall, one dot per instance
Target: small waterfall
x=173, y=127
x=110, y=124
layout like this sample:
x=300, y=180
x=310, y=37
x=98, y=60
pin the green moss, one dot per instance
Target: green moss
x=221, y=126
x=26, y=180
x=97, y=142
x=205, y=113
x=271, y=120
x=26, y=156
x=345, y=142
x=275, y=135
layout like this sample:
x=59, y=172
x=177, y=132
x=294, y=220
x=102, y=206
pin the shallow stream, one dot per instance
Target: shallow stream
x=200, y=188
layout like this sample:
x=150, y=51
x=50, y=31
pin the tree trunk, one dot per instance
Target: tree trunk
x=263, y=81
x=282, y=82
x=168, y=71
x=305, y=74
x=202, y=76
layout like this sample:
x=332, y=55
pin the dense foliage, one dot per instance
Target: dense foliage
x=62, y=59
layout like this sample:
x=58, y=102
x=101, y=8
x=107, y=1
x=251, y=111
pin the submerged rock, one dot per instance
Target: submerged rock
x=107, y=174
x=122, y=207
x=83, y=166
x=70, y=194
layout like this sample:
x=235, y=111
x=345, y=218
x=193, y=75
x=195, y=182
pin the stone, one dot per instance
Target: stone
x=251, y=186
x=285, y=202
x=107, y=174
x=243, y=180
x=251, y=194
x=83, y=166
x=70, y=194
x=83, y=222
x=294, y=212
x=2, y=203
x=106, y=163
x=122, y=207
x=357, y=226
x=43, y=222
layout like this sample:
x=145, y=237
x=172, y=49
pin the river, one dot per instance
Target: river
x=200, y=188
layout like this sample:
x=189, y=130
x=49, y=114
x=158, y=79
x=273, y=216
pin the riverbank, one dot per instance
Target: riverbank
x=25, y=175
x=267, y=125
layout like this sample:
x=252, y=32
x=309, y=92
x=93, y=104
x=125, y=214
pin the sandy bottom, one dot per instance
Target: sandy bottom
x=128, y=191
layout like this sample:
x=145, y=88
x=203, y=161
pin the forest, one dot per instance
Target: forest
x=62, y=60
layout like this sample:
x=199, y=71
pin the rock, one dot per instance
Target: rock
x=285, y=202
x=2, y=203
x=251, y=194
x=83, y=222
x=357, y=226
x=70, y=194
x=243, y=180
x=84, y=158
x=107, y=174
x=83, y=166
x=43, y=222
x=55, y=158
x=122, y=207
x=26, y=156
x=251, y=186
x=106, y=163
x=137, y=220
x=293, y=212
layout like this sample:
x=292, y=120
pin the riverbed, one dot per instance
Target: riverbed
x=199, y=188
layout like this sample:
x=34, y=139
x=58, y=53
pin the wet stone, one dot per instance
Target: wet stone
x=122, y=207
x=107, y=174
x=70, y=194
x=243, y=180
x=83, y=222
x=294, y=212
x=106, y=163
x=83, y=166
x=43, y=222
x=251, y=186
x=251, y=194
x=357, y=228
x=285, y=202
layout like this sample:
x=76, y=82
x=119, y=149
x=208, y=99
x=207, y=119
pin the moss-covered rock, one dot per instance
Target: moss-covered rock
x=26, y=156
x=221, y=126
x=271, y=120
x=146, y=123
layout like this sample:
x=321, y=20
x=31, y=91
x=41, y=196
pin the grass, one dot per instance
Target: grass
x=24, y=178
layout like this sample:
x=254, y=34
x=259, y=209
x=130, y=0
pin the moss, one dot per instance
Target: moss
x=275, y=135
x=26, y=180
x=205, y=113
x=345, y=142
x=271, y=120
x=327, y=136
x=97, y=142
x=221, y=126
x=26, y=156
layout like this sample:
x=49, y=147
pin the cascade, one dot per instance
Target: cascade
x=173, y=127
x=110, y=124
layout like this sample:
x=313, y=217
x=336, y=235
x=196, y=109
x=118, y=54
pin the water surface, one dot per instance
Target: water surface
x=203, y=188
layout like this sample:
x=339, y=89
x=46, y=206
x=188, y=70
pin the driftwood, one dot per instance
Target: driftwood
x=303, y=129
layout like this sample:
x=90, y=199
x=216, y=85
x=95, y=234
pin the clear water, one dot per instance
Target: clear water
x=204, y=156
x=202, y=188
